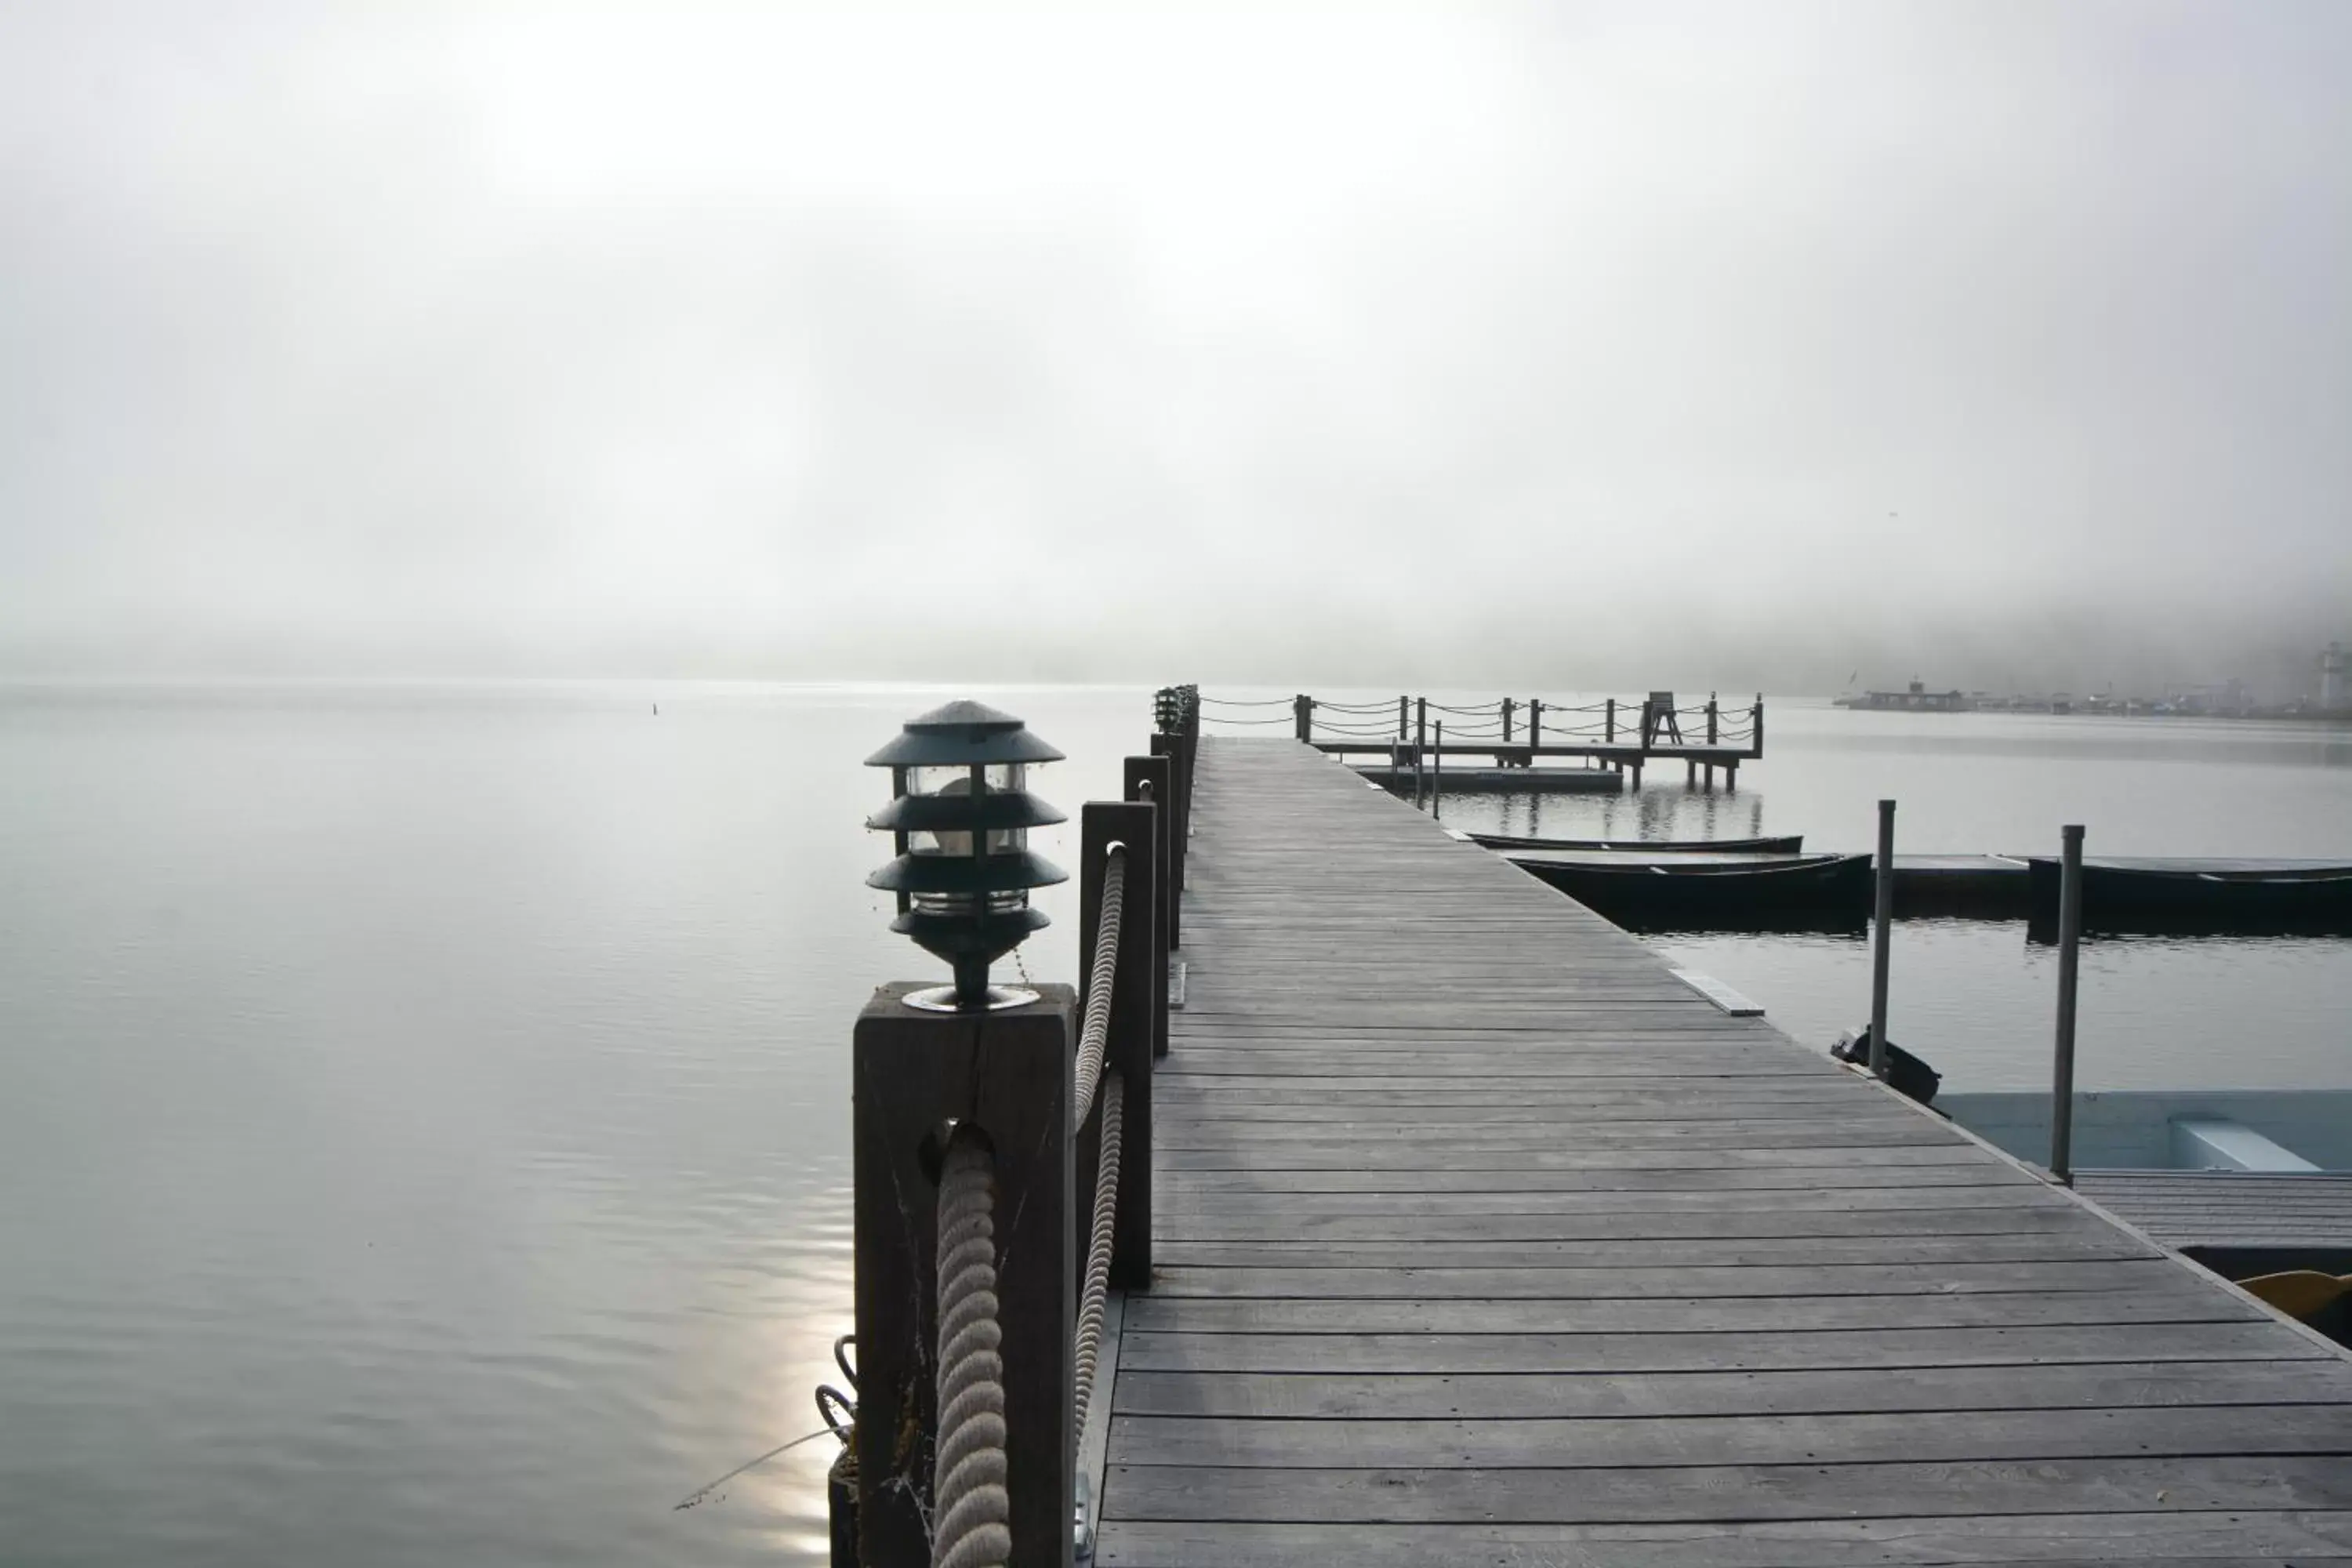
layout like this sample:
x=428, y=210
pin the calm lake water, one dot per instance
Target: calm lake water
x=426, y=1132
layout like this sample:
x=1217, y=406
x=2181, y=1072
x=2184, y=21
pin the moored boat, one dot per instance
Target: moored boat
x=1790, y=845
x=2186, y=896
x=1752, y=892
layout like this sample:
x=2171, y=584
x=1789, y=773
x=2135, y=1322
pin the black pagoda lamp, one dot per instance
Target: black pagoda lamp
x=961, y=813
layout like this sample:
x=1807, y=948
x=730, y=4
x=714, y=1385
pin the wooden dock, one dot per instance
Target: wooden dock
x=1480, y=1238
x=2230, y=1210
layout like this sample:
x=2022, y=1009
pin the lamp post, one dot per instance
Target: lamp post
x=961, y=813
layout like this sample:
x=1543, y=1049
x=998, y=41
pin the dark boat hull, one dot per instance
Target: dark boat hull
x=2217, y=899
x=1823, y=892
x=1791, y=844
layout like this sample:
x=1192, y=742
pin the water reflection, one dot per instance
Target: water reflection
x=1658, y=812
x=1978, y=1000
x=426, y=1135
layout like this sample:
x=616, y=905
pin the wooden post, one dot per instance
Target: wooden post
x=1178, y=831
x=1611, y=735
x=1506, y=721
x=1437, y=770
x=1710, y=718
x=1420, y=749
x=2070, y=942
x=1146, y=780
x=1400, y=729
x=1883, y=937
x=1134, y=1022
x=1302, y=709
x=1535, y=723
x=1008, y=1075
x=1756, y=739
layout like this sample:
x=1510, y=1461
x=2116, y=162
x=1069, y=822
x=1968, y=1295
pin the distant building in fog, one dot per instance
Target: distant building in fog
x=1915, y=698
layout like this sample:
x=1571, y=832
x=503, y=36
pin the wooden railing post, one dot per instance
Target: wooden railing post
x=1507, y=706
x=1134, y=1019
x=1535, y=723
x=1178, y=750
x=1401, y=721
x=1611, y=736
x=1008, y=1075
x=1437, y=770
x=1302, y=709
x=1147, y=779
x=1710, y=718
x=1756, y=739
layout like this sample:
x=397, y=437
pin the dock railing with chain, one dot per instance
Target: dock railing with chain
x=1654, y=725
x=1002, y=1192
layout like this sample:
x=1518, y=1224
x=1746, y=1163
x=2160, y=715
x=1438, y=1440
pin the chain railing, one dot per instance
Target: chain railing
x=1653, y=724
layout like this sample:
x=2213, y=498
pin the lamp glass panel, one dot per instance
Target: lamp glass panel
x=960, y=905
x=954, y=782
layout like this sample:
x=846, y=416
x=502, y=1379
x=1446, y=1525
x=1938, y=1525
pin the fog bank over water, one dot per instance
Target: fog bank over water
x=1548, y=345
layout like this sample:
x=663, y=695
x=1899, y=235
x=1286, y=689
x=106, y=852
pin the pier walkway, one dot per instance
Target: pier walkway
x=1481, y=1239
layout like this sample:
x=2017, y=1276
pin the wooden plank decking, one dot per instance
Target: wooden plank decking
x=2229, y=1208
x=1481, y=1239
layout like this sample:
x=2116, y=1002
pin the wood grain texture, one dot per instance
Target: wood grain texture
x=1480, y=1238
x=2229, y=1208
x=2270, y=1540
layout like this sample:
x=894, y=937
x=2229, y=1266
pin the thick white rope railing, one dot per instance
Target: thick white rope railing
x=1098, y=1247
x=1094, y=1031
x=971, y=1511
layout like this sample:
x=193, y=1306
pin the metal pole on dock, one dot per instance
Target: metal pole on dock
x=1437, y=770
x=2070, y=941
x=1883, y=939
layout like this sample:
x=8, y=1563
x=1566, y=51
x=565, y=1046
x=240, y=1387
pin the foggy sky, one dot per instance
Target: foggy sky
x=1571, y=345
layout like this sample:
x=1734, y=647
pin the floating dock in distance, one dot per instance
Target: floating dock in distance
x=1504, y=781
